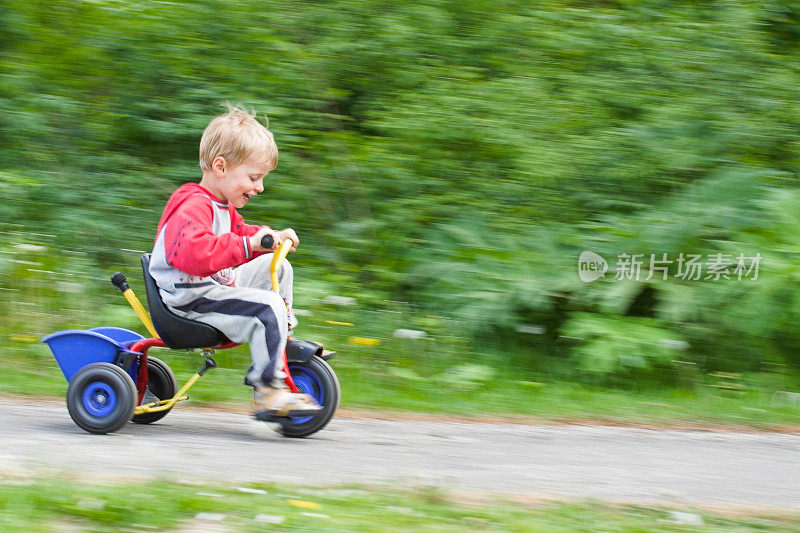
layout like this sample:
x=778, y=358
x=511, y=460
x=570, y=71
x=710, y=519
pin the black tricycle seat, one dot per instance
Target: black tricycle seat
x=176, y=332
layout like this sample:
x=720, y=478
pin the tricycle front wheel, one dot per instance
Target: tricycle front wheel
x=101, y=398
x=317, y=379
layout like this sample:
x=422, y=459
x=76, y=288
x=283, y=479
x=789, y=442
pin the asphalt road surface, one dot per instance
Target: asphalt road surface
x=705, y=468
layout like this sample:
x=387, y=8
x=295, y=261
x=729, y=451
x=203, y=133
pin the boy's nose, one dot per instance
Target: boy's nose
x=259, y=186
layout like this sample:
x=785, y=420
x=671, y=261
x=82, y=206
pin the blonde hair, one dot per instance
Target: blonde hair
x=237, y=135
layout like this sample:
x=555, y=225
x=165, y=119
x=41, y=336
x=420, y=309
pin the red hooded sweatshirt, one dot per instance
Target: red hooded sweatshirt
x=199, y=240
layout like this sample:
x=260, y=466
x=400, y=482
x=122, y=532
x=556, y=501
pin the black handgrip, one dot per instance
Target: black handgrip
x=120, y=282
x=267, y=241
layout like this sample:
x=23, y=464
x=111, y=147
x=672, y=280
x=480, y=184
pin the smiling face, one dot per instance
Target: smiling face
x=236, y=184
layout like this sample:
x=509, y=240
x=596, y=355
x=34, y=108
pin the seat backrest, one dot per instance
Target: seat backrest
x=176, y=332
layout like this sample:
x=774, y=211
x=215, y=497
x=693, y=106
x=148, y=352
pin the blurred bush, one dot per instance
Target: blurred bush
x=455, y=155
x=630, y=349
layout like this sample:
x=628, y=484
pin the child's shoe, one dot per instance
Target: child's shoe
x=281, y=403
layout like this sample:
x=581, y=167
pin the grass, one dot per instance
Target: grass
x=55, y=504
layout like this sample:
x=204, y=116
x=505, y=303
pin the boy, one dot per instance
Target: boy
x=210, y=265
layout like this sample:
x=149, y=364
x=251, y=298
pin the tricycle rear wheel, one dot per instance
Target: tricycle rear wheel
x=162, y=383
x=101, y=398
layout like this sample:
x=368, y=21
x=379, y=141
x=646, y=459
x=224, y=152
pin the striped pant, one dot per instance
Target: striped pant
x=251, y=312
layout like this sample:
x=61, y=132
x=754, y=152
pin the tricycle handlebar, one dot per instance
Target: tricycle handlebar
x=279, y=255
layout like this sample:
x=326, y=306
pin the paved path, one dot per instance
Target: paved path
x=605, y=463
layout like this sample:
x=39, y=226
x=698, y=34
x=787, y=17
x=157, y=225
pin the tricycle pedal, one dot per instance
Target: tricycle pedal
x=274, y=415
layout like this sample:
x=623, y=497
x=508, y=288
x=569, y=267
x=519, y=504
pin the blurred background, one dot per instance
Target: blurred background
x=445, y=164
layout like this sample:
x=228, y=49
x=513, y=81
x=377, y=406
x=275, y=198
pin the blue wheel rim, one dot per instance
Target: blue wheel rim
x=309, y=383
x=99, y=399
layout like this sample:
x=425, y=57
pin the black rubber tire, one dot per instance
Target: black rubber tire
x=332, y=394
x=161, y=382
x=124, y=392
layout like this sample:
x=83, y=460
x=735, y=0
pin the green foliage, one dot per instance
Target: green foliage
x=489, y=278
x=630, y=347
x=453, y=155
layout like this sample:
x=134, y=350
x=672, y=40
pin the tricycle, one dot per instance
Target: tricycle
x=113, y=379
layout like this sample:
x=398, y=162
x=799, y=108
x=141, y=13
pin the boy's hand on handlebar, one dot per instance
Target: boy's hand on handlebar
x=255, y=240
x=289, y=233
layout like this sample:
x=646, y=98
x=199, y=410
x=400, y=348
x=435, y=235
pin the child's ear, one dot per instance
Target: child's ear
x=218, y=165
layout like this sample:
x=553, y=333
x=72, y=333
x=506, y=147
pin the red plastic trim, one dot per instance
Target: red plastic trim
x=227, y=344
x=146, y=344
x=288, y=379
x=142, y=347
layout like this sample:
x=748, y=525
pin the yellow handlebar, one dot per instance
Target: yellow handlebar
x=277, y=257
